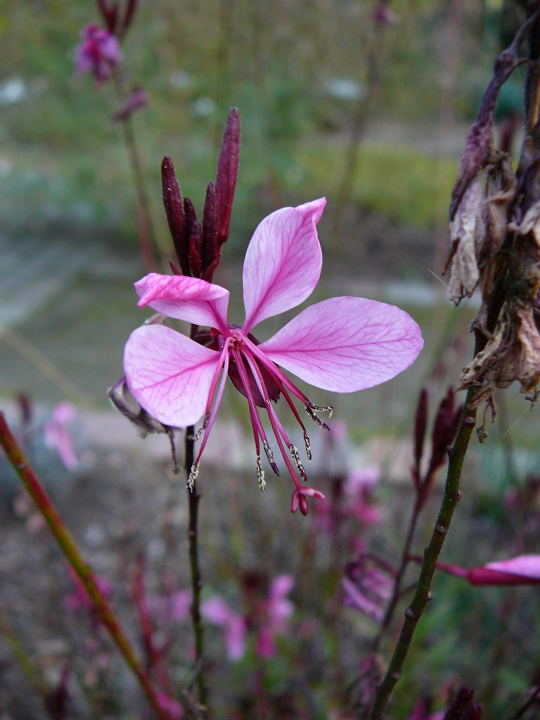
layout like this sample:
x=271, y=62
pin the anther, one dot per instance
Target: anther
x=324, y=409
x=193, y=475
x=270, y=456
x=316, y=420
x=307, y=443
x=200, y=431
x=260, y=474
x=296, y=457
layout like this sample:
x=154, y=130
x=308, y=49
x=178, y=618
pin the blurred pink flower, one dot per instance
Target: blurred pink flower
x=343, y=344
x=171, y=706
x=274, y=615
x=99, y=53
x=79, y=600
x=216, y=611
x=367, y=586
x=520, y=570
x=57, y=436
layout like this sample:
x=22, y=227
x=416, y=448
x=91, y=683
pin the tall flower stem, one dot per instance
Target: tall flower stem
x=196, y=579
x=423, y=594
x=83, y=571
x=404, y=562
x=145, y=226
x=27, y=666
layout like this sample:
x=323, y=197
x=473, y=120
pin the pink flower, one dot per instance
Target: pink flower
x=342, y=344
x=275, y=613
x=57, y=436
x=99, y=53
x=78, y=599
x=520, y=570
x=216, y=610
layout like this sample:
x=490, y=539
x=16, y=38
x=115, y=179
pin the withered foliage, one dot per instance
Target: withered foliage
x=495, y=235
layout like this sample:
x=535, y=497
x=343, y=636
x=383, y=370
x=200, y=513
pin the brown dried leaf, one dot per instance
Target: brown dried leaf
x=467, y=232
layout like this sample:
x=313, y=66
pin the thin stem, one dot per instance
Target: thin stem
x=83, y=571
x=31, y=672
x=396, y=590
x=196, y=579
x=145, y=227
x=423, y=594
x=530, y=702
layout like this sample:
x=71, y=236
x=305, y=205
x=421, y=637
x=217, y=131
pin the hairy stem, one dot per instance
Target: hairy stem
x=196, y=580
x=423, y=594
x=83, y=571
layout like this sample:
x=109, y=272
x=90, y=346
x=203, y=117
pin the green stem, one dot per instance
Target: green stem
x=32, y=673
x=145, y=227
x=396, y=590
x=423, y=594
x=83, y=571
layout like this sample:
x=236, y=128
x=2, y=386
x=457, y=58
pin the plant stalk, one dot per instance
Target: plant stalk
x=196, y=579
x=83, y=571
x=423, y=595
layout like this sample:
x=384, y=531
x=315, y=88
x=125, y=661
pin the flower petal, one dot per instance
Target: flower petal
x=283, y=261
x=185, y=298
x=346, y=343
x=527, y=566
x=168, y=374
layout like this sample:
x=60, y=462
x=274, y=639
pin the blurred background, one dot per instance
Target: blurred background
x=368, y=103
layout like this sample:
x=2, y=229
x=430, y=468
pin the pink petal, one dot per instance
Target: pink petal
x=346, y=343
x=168, y=374
x=527, y=566
x=185, y=298
x=283, y=261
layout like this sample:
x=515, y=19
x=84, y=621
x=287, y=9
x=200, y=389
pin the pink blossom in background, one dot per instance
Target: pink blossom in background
x=171, y=706
x=78, y=599
x=274, y=615
x=216, y=611
x=56, y=434
x=358, y=502
x=520, y=570
x=99, y=53
x=367, y=586
x=342, y=344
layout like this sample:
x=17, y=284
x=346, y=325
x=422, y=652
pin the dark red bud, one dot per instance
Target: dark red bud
x=210, y=248
x=109, y=15
x=226, y=174
x=57, y=700
x=131, y=7
x=463, y=707
x=174, y=209
x=420, y=424
x=193, y=232
x=444, y=429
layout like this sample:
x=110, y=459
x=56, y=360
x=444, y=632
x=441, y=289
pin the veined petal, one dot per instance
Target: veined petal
x=168, y=374
x=527, y=566
x=346, y=343
x=185, y=298
x=283, y=261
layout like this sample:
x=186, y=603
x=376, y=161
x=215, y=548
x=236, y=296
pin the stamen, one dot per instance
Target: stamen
x=193, y=475
x=200, y=431
x=307, y=443
x=296, y=457
x=270, y=456
x=317, y=420
x=324, y=409
x=260, y=474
